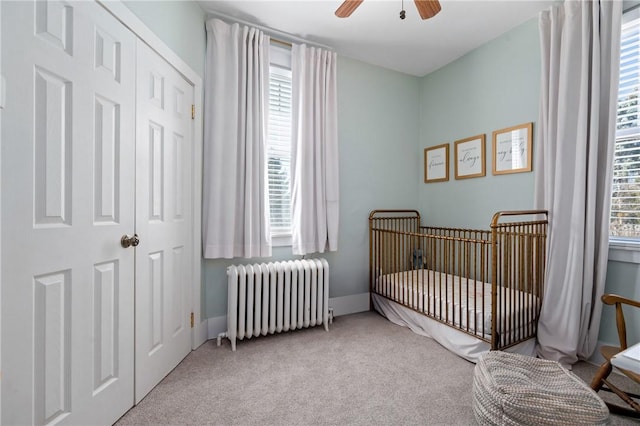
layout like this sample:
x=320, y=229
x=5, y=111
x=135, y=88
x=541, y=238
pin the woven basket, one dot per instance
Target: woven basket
x=514, y=389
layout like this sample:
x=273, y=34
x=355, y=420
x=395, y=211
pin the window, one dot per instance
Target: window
x=279, y=146
x=625, y=196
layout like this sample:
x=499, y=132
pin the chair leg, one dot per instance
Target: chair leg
x=623, y=396
x=622, y=411
x=603, y=373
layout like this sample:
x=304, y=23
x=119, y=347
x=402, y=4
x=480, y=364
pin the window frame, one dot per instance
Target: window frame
x=623, y=249
x=280, y=58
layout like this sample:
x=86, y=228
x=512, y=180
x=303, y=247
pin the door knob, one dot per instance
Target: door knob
x=127, y=241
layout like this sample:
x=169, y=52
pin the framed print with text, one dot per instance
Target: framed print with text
x=512, y=149
x=436, y=163
x=469, y=157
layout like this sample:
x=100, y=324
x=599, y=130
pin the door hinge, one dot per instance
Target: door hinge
x=193, y=320
x=193, y=112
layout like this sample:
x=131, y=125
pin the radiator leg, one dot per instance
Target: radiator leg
x=232, y=340
x=220, y=336
x=329, y=319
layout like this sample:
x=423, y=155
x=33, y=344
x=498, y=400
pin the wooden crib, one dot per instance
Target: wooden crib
x=487, y=284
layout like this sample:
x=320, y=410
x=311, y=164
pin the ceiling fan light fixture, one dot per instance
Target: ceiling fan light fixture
x=426, y=8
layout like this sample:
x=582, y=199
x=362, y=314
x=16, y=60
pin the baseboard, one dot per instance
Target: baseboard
x=597, y=358
x=216, y=326
x=351, y=304
x=199, y=333
x=344, y=305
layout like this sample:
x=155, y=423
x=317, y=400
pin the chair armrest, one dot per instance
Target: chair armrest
x=610, y=299
x=618, y=301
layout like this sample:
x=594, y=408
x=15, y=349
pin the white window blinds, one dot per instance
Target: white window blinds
x=279, y=150
x=625, y=196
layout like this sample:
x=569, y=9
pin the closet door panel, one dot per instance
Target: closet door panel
x=163, y=219
x=67, y=197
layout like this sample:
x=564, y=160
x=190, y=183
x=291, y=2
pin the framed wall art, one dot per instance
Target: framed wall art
x=512, y=149
x=469, y=157
x=436, y=163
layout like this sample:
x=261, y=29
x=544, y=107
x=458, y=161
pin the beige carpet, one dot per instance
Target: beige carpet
x=365, y=370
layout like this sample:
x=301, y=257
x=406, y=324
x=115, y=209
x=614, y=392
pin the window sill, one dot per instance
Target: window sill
x=283, y=240
x=624, y=251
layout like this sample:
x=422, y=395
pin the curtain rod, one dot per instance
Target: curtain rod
x=282, y=42
x=270, y=31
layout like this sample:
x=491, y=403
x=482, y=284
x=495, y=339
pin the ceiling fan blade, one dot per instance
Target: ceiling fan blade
x=428, y=8
x=347, y=8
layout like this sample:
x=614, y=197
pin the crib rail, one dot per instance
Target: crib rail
x=394, y=221
x=486, y=283
x=518, y=259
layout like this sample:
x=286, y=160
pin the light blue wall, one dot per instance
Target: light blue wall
x=493, y=87
x=179, y=24
x=496, y=86
x=386, y=120
x=377, y=130
x=623, y=278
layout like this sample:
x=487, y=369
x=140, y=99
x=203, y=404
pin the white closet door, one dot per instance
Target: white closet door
x=67, y=197
x=164, y=151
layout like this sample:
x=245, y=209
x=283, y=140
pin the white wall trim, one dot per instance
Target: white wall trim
x=144, y=33
x=596, y=357
x=628, y=252
x=133, y=23
x=344, y=305
x=351, y=304
x=216, y=325
x=199, y=332
x=2, y=99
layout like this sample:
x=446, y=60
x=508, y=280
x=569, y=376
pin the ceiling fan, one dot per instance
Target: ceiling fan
x=426, y=8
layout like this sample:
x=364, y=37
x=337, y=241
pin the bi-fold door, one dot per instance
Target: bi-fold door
x=97, y=143
x=164, y=204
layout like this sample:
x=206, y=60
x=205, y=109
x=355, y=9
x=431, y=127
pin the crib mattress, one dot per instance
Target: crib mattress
x=459, y=301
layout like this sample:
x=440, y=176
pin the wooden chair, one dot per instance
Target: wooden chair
x=600, y=381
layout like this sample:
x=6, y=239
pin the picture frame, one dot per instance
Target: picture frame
x=469, y=157
x=512, y=151
x=436, y=163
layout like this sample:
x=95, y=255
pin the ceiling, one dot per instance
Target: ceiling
x=375, y=34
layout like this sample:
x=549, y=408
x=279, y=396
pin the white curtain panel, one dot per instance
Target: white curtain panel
x=235, y=194
x=314, y=150
x=580, y=46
